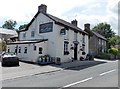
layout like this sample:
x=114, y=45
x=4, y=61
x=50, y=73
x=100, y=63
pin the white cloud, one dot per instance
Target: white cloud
x=92, y=11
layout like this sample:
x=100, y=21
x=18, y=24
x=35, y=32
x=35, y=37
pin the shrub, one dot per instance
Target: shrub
x=114, y=51
x=104, y=56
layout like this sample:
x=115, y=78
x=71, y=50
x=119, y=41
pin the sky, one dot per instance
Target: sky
x=84, y=11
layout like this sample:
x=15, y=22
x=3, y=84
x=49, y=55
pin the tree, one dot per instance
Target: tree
x=10, y=24
x=114, y=51
x=104, y=29
x=114, y=40
x=2, y=45
x=23, y=26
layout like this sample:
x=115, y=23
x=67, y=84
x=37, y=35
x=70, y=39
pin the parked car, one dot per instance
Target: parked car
x=9, y=59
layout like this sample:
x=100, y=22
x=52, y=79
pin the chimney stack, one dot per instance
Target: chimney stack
x=42, y=8
x=74, y=22
x=87, y=26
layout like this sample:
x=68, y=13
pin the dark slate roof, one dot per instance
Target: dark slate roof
x=28, y=41
x=57, y=21
x=98, y=35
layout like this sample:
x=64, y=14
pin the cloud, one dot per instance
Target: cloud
x=92, y=11
x=96, y=12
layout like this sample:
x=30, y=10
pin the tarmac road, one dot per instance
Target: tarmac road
x=102, y=75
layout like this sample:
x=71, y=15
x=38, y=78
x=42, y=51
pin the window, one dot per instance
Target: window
x=40, y=50
x=83, y=39
x=8, y=49
x=67, y=34
x=75, y=36
x=32, y=33
x=24, y=35
x=25, y=50
x=66, y=52
x=99, y=41
x=83, y=48
x=34, y=47
x=19, y=51
x=102, y=42
x=46, y=27
x=15, y=49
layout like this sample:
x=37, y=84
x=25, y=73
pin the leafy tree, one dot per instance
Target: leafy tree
x=10, y=24
x=104, y=29
x=23, y=26
x=2, y=45
x=114, y=51
x=114, y=40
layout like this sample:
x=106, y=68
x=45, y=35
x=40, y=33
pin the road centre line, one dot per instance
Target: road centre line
x=69, y=85
x=107, y=72
x=77, y=82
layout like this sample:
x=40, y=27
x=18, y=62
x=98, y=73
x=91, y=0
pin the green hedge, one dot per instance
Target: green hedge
x=104, y=56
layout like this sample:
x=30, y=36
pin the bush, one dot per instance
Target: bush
x=104, y=56
x=114, y=51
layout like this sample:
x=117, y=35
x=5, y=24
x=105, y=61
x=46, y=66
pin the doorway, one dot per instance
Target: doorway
x=75, y=51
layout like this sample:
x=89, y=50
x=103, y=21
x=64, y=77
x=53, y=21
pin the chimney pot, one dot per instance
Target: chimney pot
x=74, y=22
x=87, y=26
x=42, y=8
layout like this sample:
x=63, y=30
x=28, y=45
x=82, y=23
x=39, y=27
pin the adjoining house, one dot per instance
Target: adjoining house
x=97, y=42
x=7, y=35
x=49, y=35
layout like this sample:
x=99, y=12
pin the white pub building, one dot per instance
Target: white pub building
x=49, y=35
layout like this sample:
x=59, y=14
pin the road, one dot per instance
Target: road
x=102, y=75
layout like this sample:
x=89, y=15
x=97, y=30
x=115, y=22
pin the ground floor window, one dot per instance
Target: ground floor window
x=15, y=49
x=35, y=47
x=66, y=52
x=8, y=50
x=25, y=50
x=19, y=51
x=40, y=50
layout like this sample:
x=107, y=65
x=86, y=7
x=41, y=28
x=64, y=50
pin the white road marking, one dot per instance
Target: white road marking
x=77, y=82
x=107, y=72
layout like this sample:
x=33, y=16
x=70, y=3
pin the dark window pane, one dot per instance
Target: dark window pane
x=25, y=51
x=19, y=50
x=66, y=52
x=40, y=50
x=34, y=47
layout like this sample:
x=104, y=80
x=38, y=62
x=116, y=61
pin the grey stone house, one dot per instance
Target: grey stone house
x=97, y=42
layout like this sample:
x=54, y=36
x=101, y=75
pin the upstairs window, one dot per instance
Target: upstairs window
x=66, y=36
x=83, y=39
x=32, y=33
x=46, y=27
x=24, y=35
x=75, y=36
x=99, y=41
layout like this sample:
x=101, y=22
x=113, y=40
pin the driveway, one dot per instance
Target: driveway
x=22, y=67
x=11, y=71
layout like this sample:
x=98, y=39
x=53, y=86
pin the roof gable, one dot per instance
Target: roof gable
x=98, y=35
x=57, y=21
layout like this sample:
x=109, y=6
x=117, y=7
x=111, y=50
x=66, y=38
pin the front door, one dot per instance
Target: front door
x=75, y=51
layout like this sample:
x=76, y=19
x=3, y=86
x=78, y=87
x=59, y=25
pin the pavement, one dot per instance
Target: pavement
x=31, y=69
